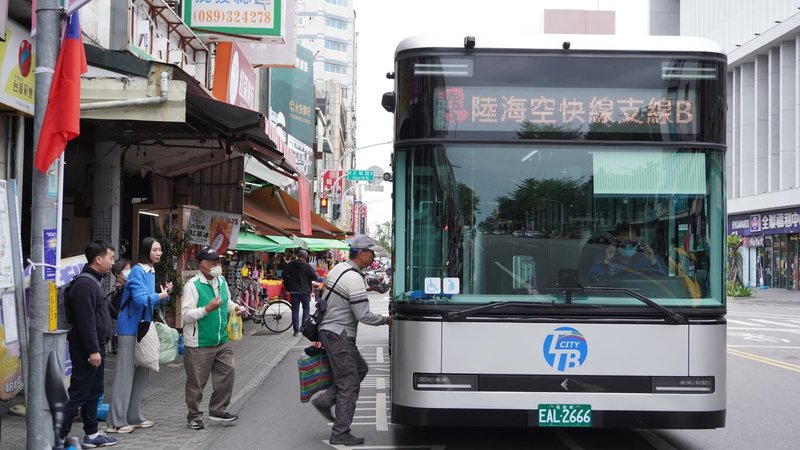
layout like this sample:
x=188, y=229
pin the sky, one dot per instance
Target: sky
x=381, y=25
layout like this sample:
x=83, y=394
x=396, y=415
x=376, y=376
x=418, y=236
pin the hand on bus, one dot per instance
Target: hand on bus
x=389, y=320
x=213, y=304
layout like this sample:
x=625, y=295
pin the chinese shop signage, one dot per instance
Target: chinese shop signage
x=565, y=109
x=234, y=78
x=257, y=18
x=216, y=229
x=784, y=221
x=16, y=73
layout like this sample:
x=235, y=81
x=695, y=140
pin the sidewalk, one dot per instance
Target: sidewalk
x=771, y=295
x=256, y=355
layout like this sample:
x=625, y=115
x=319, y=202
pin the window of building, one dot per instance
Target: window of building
x=337, y=2
x=333, y=23
x=336, y=46
x=335, y=68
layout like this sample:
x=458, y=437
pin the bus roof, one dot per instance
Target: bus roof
x=577, y=42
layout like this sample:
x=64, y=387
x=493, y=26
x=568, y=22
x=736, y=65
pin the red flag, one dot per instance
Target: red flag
x=62, y=117
x=304, y=195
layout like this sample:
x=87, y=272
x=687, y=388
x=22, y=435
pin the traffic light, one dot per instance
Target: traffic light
x=323, y=205
x=335, y=215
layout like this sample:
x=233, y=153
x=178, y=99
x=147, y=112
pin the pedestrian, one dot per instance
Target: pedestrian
x=91, y=331
x=205, y=309
x=298, y=279
x=121, y=269
x=347, y=305
x=139, y=297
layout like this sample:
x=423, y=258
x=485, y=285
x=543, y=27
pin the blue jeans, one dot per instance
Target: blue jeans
x=297, y=299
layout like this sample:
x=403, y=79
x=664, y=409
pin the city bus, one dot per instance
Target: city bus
x=559, y=232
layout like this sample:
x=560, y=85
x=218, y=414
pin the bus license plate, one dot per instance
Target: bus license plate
x=565, y=415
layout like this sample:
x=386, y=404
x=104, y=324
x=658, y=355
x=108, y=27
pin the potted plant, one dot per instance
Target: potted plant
x=173, y=246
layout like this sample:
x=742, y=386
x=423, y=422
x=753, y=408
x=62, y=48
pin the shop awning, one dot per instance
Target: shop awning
x=251, y=242
x=274, y=212
x=319, y=245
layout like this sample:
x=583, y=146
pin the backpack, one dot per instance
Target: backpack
x=114, y=300
x=65, y=318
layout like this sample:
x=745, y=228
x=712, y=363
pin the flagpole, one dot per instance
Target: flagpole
x=44, y=217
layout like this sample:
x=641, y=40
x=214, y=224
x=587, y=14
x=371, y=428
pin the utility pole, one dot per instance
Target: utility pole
x=44, y=222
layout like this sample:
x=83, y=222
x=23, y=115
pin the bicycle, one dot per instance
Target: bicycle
x=275, y=314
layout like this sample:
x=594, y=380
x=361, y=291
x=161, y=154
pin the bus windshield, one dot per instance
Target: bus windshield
x=488, y=223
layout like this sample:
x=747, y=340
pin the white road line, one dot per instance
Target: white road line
x=742, y=322
x=381, y=384
x=380, y=413
x=567, y=440
x=653, y=439
x=785, y=330
x=780, y=324
x=379, y=354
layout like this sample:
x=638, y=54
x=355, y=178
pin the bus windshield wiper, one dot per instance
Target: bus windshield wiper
x=669, y=315
x=455, y=315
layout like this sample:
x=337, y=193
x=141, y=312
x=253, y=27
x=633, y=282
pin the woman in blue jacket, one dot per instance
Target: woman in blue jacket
x=138, y=300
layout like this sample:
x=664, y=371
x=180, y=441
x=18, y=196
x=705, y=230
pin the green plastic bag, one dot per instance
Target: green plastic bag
x=168, y=343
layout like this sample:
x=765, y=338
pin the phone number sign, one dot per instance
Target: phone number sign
x=241, y=17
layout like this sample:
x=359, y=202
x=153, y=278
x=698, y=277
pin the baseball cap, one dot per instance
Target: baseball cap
x=363, y=242
x=207, y=254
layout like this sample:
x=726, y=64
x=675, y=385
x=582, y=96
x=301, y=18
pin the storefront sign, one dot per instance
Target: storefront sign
x=234, y=77
x=783, y=221
x=329, y=177
x=216, y=229
x=276, y=54
x=258, y=18
x=16, y=74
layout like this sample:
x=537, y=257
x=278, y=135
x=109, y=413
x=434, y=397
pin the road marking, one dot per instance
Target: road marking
x=381, y=384
x=380, y=413
x=655, y=440
x=379, y=354
x=789, y=347
x=567, y=440
x=764, y=360
x=782, y=324
x=388, y=447
x=742, y=322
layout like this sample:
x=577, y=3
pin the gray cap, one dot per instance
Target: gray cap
x=363, y=242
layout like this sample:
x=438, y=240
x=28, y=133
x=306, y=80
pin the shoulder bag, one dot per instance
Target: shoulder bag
x=310, y=327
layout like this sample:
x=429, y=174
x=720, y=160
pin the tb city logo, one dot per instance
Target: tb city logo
x=565, y=348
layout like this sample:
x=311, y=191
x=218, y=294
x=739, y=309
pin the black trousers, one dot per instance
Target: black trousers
x=85, y=389
x=349, y=370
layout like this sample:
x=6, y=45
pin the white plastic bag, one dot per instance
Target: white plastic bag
x=147, y=350
x=168, y=343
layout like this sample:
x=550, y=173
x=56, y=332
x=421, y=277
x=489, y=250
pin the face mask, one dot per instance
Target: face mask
x=627, y=251
x=125, y=273
x=215, y=271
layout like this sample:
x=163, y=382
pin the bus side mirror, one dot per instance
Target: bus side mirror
x=388, y=101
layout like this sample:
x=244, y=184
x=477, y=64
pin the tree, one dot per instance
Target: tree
x=383, y=236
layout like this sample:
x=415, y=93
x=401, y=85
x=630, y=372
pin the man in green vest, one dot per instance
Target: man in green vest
x=206, y=304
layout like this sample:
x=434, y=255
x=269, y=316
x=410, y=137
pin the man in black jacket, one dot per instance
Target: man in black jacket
x=298, y=277
x=91, y=330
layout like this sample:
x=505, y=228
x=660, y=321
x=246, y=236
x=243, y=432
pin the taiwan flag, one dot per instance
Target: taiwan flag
x=62, y=118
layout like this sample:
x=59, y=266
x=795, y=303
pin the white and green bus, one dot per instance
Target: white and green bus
x=559, y=232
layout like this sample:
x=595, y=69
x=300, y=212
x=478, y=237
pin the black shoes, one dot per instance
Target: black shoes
x=346, y=439
x=225, y=417
x=326, y=412
x=196, y=424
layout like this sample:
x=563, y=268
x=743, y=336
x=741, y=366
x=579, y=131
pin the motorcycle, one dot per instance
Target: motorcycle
x=57, y=398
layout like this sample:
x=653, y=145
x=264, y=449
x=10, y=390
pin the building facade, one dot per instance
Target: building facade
x=762, y=40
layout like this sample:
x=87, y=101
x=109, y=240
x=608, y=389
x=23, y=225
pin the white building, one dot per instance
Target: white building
x=762, y=39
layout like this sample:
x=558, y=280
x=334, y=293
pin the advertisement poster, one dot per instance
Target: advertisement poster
x=216, y=229
x=50, y=239
x=6, y=263
x=17, y=59
x=10, y=368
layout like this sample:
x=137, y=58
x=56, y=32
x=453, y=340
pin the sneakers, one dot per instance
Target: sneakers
x=196, y=424
x=119, y=430
x=326, y=412
x=224, y=417
x=296, y=333
x=346, y=439
x=100, y=441
x=145, y=424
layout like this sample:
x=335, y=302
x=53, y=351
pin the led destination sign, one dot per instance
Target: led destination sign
x=568, y=109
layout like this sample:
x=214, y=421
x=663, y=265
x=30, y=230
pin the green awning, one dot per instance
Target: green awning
x=250, y=242
x=318, y=245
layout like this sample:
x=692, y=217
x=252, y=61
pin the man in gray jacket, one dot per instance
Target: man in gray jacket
x=347, y=305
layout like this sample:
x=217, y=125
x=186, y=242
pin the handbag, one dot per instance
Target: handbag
x=315, y=375
x=234, y=326
x=310, y=326
x=147, y=349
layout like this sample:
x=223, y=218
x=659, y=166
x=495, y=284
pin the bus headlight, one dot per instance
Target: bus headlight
x=445, y=382
x=683, y=385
